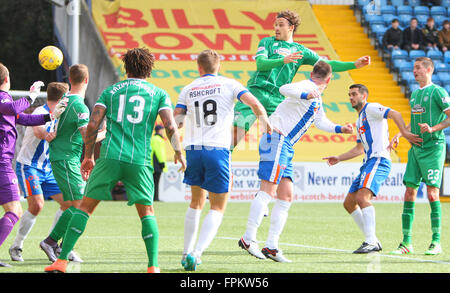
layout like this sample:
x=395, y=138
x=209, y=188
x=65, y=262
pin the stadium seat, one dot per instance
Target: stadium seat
x=405, y=66
x=414, y=2
x=404, y=19
x=413, y=86
x=447, y=57
x=445, y=3
x=444, y=77
x=399, y=54
x=407, y=77
x=388, y=19
x=439, y=20
x=421, y=10
x=374, y=19
x=402, y=10
x=436, y=80
x=377, y=30
x=397, y=3
x=447, y=88
x=422, y=20
x=413, y=54
x=441, y=67
x=389, y=9
x=438, y=10
x=435, y=55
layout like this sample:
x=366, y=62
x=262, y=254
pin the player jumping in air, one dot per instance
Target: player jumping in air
x=278, y=59
x=290, y=121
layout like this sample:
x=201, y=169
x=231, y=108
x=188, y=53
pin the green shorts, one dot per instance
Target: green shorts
x=425, y=165
x=137, y=180
x=68, y=176
x=243, y=114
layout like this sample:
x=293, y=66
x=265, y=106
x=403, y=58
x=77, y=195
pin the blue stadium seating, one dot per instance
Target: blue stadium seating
x=444, y=77
x=402, y=10
x=388, y=19
x=413, y=86
x=414, y=2
x=435, y=55
x=441, y=67
x=374, y=19
x=413, y=54
x=399, y=54
x=422, y=19
x=404, y=19
x=407, y=77
x=439, y=20
x=447, y=57
x=445, y=3
x=421, y=10
x=438, y=10
x=397, y=3
x=405, y=66
x=389, y=9
x=447, y=88
x=436, y=80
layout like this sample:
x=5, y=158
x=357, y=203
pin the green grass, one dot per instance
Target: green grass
x=318, y=238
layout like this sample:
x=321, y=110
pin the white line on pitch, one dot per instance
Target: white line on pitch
x=350, y=251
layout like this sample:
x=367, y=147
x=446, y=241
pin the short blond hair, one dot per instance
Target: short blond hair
x=78, y=73
x=209, y=60
x=4, y=73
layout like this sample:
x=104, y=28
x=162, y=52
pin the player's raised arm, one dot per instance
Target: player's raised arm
x=323, y=123
x=257, y=108
x=339, y=66
x=171, y=127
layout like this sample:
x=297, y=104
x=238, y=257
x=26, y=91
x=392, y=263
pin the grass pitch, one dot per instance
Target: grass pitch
x=318, y=238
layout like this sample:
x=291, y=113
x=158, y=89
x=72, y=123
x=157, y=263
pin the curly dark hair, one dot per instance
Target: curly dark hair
x=138, y=62
x=292, y=17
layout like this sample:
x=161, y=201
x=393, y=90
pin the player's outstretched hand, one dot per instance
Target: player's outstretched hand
x=60, y=108
x=424, y=127
x=362, y=61
x=394, y=142
x=35, y=89
x=50, y=136
x=292, y=58
x=314, y=94
x=413, y=138
x=179, y=158
x=86, y=167
x=347, y=128
x=333, y=160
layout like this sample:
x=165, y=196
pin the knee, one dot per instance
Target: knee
x=35, y=209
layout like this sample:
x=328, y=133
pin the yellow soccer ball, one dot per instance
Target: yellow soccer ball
x=50, y=57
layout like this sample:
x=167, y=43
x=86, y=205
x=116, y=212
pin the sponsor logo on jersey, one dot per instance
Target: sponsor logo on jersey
x=282, y=51
x=82, y=116
x=418, y=109
x=446, y=100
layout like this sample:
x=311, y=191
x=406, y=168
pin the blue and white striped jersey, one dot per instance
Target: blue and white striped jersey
x=372, y=131
x=295, y=114
x=34, y=151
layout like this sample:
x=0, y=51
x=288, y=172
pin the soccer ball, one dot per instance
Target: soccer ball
x=50, y=57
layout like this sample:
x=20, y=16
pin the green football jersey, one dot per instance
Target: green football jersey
x=271, y=48
x=427, y=106
x=132, y=107
x=68, y=143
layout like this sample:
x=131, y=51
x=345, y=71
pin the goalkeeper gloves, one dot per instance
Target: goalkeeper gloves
x=60, y=108
x=35, y=89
